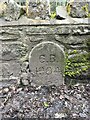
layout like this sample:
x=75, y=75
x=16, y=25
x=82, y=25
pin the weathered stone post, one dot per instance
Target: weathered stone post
x=46, y=62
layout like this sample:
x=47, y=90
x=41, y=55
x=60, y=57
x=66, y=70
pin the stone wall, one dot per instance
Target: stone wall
x=18, y=39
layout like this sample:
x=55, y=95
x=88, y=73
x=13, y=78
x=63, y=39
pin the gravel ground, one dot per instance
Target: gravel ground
x=46, y=102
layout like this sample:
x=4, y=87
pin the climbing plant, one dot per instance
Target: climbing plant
x=77, y=65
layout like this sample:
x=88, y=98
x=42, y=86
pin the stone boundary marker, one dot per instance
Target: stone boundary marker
x=46, y=63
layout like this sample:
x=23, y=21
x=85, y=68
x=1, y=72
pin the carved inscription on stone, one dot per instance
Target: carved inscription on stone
x=46, y=62
x=49, y=69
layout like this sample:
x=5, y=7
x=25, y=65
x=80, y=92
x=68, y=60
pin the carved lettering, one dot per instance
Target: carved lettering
x=48, y=70
x=52, y=58
x=42, y=58
x=40, y=70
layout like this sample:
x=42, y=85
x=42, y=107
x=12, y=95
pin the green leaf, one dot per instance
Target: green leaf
x=53, y=15
x=46, y=104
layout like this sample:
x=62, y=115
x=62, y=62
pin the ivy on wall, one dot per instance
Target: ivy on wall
x=76, y=65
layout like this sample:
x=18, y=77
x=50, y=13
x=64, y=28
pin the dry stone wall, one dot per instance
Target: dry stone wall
x=18, y=39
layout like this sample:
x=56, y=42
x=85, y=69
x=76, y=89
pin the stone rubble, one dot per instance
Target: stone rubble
x=64, y=102
x=10, y=10
x=80, y=8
